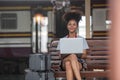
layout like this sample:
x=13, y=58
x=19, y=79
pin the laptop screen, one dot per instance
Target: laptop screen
x=71, y=45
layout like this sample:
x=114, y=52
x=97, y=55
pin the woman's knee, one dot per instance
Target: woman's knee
x=73, y=57
x=67, y=64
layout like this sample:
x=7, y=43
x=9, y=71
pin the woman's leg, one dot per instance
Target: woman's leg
x=69, y=72
x=76, y=66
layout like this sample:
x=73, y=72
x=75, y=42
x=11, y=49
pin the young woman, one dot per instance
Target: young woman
x=70, y=62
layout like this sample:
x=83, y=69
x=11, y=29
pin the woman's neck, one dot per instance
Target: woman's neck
x=72, y=35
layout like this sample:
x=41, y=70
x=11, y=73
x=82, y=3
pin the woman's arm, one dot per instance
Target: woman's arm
x=84, y=55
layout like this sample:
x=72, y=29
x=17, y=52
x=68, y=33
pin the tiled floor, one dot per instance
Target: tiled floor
x=12, y=77
x=22, y=77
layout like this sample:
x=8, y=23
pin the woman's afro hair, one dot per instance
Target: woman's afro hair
x=73, y=14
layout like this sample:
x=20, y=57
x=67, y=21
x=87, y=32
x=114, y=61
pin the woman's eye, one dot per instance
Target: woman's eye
x=72, y=24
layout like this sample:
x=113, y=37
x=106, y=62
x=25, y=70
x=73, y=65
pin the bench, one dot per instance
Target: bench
x=97, y=59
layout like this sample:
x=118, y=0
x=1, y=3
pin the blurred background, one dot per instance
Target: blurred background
x=17, y=23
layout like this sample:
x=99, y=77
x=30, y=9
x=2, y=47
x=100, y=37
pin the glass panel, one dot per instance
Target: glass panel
x=8, y=21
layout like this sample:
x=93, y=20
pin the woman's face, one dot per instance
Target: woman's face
x=72, y=26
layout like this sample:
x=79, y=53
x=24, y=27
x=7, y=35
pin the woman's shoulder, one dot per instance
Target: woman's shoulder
x=79, y=36
x=84, y=39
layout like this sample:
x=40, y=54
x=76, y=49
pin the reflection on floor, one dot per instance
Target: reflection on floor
x=22, y=77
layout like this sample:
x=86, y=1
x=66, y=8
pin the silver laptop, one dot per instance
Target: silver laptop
x=71, y=45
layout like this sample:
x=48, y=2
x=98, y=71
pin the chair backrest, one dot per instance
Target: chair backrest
x=98, y=56
x=55, y=58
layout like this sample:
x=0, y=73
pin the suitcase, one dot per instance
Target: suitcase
x=39, y=62
x=39, y=76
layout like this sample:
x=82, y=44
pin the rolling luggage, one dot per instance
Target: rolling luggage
x=39, y=62
x=39, y=76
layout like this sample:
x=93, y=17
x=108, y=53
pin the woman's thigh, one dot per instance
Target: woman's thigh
x=69, y=58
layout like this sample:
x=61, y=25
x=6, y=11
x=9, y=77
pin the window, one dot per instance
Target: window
x=8, y=21
x=82, y=27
